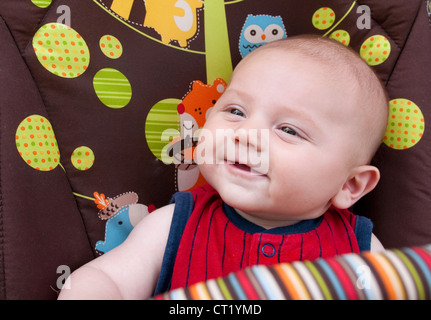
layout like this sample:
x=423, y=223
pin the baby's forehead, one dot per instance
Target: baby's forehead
x=334, y=86
x=332, y=63
x=304, y=84
x=359, y=94
x=334, y=69
x=336, y=74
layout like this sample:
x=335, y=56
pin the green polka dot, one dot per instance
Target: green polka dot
x=323, y=18
x=111, y=47
x=406, y=124
x=61, y=50
x=42, y=3
x=82, y=158
x=161, y=125
x=112, y=88
x=36, y=143
x=375, y=50
x=341, y=36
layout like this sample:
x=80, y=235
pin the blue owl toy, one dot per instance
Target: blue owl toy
x=258, y=30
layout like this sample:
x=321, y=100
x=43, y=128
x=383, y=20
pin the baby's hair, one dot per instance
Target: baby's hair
x=344, y=63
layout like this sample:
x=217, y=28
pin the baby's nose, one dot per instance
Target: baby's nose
x=249, y=137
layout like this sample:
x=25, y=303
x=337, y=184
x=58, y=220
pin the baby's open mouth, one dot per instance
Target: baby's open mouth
x=246, y=168
x=241, y=166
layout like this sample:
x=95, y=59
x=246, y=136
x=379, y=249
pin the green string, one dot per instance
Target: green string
x=82, y=196
x=75, y=193
x=341, y=20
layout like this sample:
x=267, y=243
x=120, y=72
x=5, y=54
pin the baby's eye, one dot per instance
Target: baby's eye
x=237, y=112
x=289, y=131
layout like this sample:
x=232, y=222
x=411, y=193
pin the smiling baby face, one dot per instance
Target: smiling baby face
x=313, y=124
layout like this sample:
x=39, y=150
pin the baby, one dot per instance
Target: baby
x=316, y=113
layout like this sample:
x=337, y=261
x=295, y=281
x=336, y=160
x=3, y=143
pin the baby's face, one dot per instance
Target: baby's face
x=297, y=122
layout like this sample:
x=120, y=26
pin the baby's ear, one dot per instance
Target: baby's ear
x=362, y=180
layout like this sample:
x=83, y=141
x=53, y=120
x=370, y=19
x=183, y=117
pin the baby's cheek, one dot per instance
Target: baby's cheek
x=208, y=172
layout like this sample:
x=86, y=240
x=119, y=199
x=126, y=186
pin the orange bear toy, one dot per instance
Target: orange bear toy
x=194, y=109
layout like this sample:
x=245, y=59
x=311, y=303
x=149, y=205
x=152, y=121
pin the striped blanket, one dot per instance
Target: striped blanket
x=398, y=274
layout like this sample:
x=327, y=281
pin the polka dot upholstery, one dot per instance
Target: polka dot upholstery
x=61, y=50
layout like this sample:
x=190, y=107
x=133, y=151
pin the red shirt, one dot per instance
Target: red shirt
x=208, y=239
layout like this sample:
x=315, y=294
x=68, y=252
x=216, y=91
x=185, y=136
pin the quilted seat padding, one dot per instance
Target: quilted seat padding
x=40, y=225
